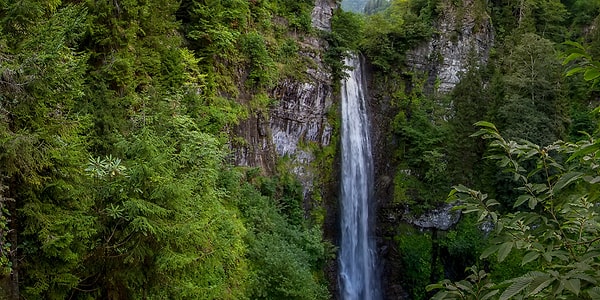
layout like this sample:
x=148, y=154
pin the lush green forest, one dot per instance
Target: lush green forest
x=116, y=179
x=117, y=123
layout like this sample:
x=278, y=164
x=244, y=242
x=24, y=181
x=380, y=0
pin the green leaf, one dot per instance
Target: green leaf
x=465, y=286
x=594, y=293
x=532, y=202
x=540, y=283
x=589, y=255
x=572, y=57
x=529, y=257
x=521, y=200
x=585, y=277
x=587, y=149
x=440, y=295
x=504, y=250
x=486, y=124
x=565, y=180
x=575, y=70
x=591, y=74
x=482, y=215
x=489, y=251
x=573, y=285
x=461, y=189
x=574, y=44
x=492, y=202
x=490, y=294
x=518, y=285
x=434, y=286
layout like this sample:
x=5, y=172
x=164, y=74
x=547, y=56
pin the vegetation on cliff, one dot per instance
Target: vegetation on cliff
x=116, y=128
x=529, y=91
x=115, y=163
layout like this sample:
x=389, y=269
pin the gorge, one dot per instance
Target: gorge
x=234, y=149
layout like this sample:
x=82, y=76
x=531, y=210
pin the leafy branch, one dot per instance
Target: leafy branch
x=585, y=64
x=558, y=228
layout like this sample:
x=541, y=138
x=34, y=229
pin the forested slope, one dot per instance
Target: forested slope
x=152, y=149
x=117, y=120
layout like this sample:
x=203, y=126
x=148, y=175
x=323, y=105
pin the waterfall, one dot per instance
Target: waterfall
x=357, y=258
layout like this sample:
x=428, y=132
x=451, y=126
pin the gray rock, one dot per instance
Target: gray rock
x=322, y=13
x=299, y=116
x=440, y=218
x=463, y=34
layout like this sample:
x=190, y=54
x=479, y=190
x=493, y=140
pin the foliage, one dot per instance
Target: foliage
x=556, y=222
x=285, y=254
x=546, y=18
x=114, y=126
x=163, y=218
x=520, y=87
x=345, y=27
x=468, y=98
x=533, y=96
x=5, y=245
x=214, y=25
x=460, y=246
x=261, y=64
x=416, y=251
x=389, y=34
x=420, y=134
x=583, y=12
x=476, y=286
x=586, y=65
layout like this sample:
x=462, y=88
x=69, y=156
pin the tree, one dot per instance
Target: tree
x=543, y=17
x=556, y=222
x=533, y=104
x=163, y=230
x=42, y=143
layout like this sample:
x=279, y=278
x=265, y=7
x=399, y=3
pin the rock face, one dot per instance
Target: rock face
x=296, y=125
x=299, y=117
x=463, y=34
x=322, y=13
x=441, y=218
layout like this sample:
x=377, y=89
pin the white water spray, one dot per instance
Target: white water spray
x=357, y=259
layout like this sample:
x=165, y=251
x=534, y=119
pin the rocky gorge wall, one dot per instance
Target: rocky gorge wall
x=298, y=117
x=297, y=127
x=463, y=36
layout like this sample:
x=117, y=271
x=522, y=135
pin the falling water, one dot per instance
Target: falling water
x=358, y=275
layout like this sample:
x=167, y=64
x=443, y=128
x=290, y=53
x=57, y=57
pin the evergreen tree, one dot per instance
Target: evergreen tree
x=533, y=107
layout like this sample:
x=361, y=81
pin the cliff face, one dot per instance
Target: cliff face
x=463, y=38
x=463, y=35
x=299, y=116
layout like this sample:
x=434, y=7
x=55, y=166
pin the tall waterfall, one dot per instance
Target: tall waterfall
x=357, y=261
